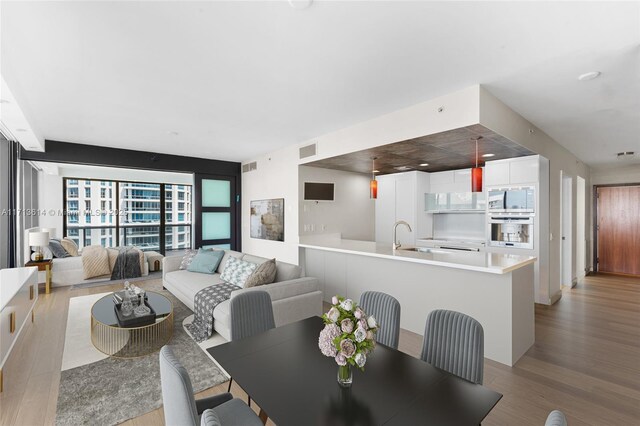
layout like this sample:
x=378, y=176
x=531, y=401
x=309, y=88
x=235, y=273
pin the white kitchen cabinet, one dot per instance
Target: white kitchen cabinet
x=462, y=180
x=399, y=199
x=441, y=180
x=513, y=171
x=523, y=170
x=496, y=173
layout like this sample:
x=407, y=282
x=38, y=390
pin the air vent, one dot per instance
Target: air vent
x=626, y=155
x=249, y=167
x=308, y=151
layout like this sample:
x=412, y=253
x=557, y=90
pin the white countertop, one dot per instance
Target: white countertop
x=494, y=263
x=11, y=279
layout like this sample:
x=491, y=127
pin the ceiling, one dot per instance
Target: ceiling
x=449, y=150
x=232, y=80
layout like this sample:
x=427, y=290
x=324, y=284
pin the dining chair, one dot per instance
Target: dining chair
x=182, y=409
x=386, y=310
x=454, y=342
x=250, y=313
x=556, y=418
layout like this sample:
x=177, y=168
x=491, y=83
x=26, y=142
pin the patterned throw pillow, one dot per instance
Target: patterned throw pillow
x=265, y=273
x=237, y=271
x=187, y=258
x=70, y=246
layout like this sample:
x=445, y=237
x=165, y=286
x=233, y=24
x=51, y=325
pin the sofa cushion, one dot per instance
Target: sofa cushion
x=227, y=255
x=187, y=258
x=191, y=283
x=206, y=261
x=287, y=271
x=254, y=259
x=265, y=273
x=237, y=271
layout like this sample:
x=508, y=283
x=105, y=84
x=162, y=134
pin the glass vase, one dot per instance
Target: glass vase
x=345, y=376
x=142, y=309
x=126, y=307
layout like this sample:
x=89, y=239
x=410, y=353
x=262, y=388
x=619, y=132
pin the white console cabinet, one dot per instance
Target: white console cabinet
x=18, y=296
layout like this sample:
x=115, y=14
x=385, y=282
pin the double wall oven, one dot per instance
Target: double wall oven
x=511, y=217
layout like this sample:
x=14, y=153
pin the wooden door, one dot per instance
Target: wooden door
x=619, y=229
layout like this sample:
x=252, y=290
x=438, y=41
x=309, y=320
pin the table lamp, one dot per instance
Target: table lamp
x=51, y=231
x=38, y=240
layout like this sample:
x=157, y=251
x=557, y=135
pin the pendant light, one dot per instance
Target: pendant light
x=373, y=185
x=476, y=172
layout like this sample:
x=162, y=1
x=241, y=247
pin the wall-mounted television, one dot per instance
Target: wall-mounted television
x=319, y=191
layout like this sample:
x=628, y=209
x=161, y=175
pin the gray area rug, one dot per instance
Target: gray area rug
x=113, y=390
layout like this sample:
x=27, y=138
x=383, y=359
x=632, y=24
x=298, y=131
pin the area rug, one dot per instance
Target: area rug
x=110, y=390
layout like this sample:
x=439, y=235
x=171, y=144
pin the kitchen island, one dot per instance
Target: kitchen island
x=496, y=289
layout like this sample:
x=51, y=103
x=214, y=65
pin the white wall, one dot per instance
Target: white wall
x=501, y=119
x=277, y=172
x=351, y=195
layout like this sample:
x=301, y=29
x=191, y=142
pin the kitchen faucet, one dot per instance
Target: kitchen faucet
x=396, y=243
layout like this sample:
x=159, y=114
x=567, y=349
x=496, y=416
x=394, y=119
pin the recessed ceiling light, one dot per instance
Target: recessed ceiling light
x=589, y=75
x=488, y=155
x=21, y=130
x=403, y=168
x=424, y=164
x=376, y=171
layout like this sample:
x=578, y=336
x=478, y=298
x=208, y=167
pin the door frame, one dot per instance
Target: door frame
x=564, y=176
x=595, y=217
x=235, y=240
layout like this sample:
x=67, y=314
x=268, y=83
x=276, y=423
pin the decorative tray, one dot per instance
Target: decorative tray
x=133, y=320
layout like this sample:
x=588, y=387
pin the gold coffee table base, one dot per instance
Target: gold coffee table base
x=131, y=342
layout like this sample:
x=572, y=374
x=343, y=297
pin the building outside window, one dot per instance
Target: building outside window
x=87, y=192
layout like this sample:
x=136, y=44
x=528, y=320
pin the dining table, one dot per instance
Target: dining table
x=293, y=383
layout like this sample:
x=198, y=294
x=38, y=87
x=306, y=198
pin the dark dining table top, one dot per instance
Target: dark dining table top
x=285, y=373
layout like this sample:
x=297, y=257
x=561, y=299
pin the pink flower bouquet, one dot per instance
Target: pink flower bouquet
x=348, y=336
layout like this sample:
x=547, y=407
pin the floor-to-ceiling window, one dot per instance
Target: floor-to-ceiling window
x=115, y=213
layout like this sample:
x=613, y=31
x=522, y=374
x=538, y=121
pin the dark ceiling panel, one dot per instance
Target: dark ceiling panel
x=450, y=150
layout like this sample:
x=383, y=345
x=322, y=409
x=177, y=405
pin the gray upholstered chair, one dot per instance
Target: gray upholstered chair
x=386, y=311
x=250, y=313
x=454, y=342
x=556, y=418
x=181, y=408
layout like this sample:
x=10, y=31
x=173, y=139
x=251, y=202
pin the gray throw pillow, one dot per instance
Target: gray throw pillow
x=265, y=273
x=57, y=249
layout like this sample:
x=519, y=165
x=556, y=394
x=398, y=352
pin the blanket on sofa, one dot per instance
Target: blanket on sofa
x=127, y=264
x=204, y=303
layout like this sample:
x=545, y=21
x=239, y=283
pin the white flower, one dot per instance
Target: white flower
x=334, y=300
x=360, y=334
x=360, y=359
x=333, y=314
x=371, y=322
x=347, y=305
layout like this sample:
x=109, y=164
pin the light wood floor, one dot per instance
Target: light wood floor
x=586, y=361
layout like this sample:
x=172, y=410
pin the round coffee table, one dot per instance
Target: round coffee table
x=130, y=342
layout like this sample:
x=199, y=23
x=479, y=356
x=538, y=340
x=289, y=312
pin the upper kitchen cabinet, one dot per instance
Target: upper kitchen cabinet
x=512, y=171
x=450, y=181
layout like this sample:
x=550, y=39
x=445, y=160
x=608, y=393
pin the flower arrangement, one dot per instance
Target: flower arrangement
x=348, y=336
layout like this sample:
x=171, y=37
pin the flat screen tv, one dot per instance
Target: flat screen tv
x=318, y=191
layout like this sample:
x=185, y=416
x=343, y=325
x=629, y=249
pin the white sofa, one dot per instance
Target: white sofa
x=294, y=297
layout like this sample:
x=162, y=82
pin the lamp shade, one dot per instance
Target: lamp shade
x=51, y=231
x=38, y=239
x=476, y=179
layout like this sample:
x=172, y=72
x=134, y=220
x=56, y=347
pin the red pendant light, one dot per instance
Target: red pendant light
x=373, y=185
x=476, y=172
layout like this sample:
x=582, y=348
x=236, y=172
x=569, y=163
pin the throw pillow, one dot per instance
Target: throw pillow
x=187, y=258
x=70, y=246
x=237, y=271
x=206, y=261
x=265, y=273
x=95, y=262
x=57, y=249
x=47, y=253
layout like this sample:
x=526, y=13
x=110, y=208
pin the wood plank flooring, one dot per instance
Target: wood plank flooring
x=586, y=361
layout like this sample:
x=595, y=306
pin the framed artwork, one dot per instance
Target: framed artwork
x=267, y=219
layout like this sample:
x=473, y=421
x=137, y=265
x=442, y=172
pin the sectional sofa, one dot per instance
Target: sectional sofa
x=294, y=297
